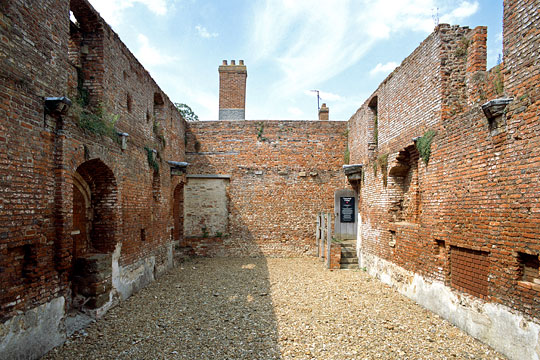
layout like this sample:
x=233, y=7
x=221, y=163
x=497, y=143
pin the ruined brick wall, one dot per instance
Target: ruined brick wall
x=33, y=67
x=415, y=96
x=281, y=174
x=410, y=101
x=47, y=161
x=469, y=216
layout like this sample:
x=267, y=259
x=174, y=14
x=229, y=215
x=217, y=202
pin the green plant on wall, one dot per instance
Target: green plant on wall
x=260, y=132
x=92, y=119
x=150, y=158
x=463, y=47
x=346, y=153
x=423, y=145
x=382, y=160
x=96, y=120
x=498, y=82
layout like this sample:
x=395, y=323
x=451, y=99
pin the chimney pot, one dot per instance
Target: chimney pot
x=224, y=62
x=233, y=62
x=241, y=62
x=324, y=112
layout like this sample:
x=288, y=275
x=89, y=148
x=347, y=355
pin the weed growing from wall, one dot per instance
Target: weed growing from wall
x=423, y=145
x=150, y=158
x=260, y=132
x=95, y=121
x=498, y=82
x=463, y=47
x=346, y=155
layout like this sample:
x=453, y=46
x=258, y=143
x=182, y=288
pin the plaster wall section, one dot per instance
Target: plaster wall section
x=281, y=174
x=206, y=211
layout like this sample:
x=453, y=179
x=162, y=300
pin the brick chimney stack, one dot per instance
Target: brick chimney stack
x=232, y=91
x=324, y=112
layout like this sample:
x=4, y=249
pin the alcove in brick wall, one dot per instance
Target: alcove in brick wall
x=403, y=187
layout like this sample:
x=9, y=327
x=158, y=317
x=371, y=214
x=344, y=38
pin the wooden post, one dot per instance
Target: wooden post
x=318, y=232
x=323, y=236
x=328, y=238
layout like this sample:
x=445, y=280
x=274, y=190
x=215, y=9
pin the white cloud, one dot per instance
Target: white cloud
x=112, y=10
x=314, y=40
x=295, y=112
x=150, y=56
x=205, y=33
x=325, y=96
x=464, y=10
x=383, y=68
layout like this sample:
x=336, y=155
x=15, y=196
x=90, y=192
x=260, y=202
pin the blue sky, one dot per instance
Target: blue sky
x=344, y=48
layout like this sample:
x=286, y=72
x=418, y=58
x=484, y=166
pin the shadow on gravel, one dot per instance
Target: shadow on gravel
x=206, y=308
x=226, y=310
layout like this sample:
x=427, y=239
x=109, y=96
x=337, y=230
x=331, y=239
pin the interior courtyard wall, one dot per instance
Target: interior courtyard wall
x=281, y=174
x=41, y=153
x=476, y=230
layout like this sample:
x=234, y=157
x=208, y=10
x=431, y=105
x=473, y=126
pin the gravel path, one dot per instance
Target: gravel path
x=269, y=309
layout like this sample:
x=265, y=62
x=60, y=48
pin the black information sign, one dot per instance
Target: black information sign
x=346, y=205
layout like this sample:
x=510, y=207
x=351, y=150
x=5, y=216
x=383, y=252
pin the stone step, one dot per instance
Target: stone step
x=349, y=266
x=351, y=260
x=348, y=245
x=346, y=253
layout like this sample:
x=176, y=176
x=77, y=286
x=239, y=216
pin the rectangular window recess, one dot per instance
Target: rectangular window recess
x=529, y=266
x=441, y=247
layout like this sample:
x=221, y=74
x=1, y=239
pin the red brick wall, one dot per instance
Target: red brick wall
x=282, y=174
x=232, y=86
x=29, y=70
x=479, y=192
x=39, y=154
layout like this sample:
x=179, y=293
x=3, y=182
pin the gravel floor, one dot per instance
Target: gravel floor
x=269, y=309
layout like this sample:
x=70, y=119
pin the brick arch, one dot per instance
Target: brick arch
x=82, y=215
x=103, y=192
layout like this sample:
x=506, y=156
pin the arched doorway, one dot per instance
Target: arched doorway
x=82, y=216
x=95, y=218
